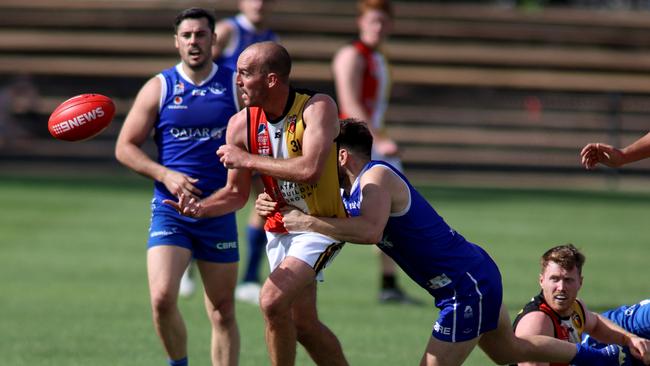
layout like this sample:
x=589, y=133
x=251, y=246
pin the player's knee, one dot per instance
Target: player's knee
x=162, y=303
x=223, y=314
x=273, y=305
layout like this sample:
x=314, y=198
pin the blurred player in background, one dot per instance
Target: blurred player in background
x=598, y=152
x=234, y=34
x=385, y=209
x=362, y=79
x=188, y=107
x=557, y=312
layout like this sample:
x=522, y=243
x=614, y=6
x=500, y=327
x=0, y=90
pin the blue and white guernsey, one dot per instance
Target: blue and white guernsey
x=244, y=34
x=460, y=275
x=192, y=125
x=419, y=240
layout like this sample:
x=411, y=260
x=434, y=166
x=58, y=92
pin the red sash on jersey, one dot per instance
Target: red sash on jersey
x=259, y=142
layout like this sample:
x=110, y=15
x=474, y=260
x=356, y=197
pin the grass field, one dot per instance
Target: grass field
x=73, y=287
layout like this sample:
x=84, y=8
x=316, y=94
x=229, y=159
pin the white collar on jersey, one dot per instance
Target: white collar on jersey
x=358, y=179
x=246, y=24
x=181, y=72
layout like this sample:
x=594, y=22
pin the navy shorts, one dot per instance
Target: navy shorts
x=472, y=306
x=210, y=239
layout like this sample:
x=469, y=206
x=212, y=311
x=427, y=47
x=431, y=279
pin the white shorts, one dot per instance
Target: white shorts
x=317, y=250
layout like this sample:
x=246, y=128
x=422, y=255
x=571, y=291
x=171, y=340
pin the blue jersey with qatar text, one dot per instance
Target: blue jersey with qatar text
x=420, y=241
x=192, y=125
x=244, y=34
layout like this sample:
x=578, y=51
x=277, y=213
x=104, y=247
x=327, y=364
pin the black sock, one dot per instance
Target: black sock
x=388, y=282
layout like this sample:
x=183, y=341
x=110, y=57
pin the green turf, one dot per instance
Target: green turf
x=73, y=287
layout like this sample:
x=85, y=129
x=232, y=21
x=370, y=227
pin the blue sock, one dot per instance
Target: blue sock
x=256, y=249
x=181, y=362
x=586, y=355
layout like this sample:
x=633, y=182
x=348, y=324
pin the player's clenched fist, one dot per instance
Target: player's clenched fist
x=232, y=157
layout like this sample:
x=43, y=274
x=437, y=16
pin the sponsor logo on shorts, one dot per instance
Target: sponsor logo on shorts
x=226, y=245
x=440, y=329
x=439, y=282
x=468, y=313
x=155, y=234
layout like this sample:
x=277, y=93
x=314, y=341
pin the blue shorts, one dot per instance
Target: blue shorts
x=472, y=306
x=211, y=239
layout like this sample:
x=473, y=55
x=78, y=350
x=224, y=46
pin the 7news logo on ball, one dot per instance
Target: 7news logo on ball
x=81, y=117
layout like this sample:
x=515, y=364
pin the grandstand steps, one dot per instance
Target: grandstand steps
x=478, y=89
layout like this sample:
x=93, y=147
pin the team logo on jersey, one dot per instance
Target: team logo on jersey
x=179, y=88
x=263, y=143
x=199, y=92
x=217, y=89
x=576, y=320
x=292, y=124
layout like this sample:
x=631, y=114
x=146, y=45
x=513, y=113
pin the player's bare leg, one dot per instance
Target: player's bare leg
x=503, y=347
x=319, y=341
x=283, y=287
x=439, y=353
x=165, y=266
x=219, y=280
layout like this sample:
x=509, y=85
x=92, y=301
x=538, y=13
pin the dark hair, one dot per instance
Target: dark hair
x=276, y=59
x=382, y=5
x=194, y=13
x=566, y=256
x=355, y=136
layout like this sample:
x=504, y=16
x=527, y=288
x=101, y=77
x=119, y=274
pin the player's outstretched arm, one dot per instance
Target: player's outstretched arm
x=610, y=156
x=598, y=153
x=605, y=331
x=234, y=194
x=136, y=129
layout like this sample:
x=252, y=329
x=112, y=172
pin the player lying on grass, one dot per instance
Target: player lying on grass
x=460, y=275
x=557, y=312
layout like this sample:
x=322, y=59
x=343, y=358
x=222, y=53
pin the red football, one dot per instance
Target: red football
x=81, y=117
